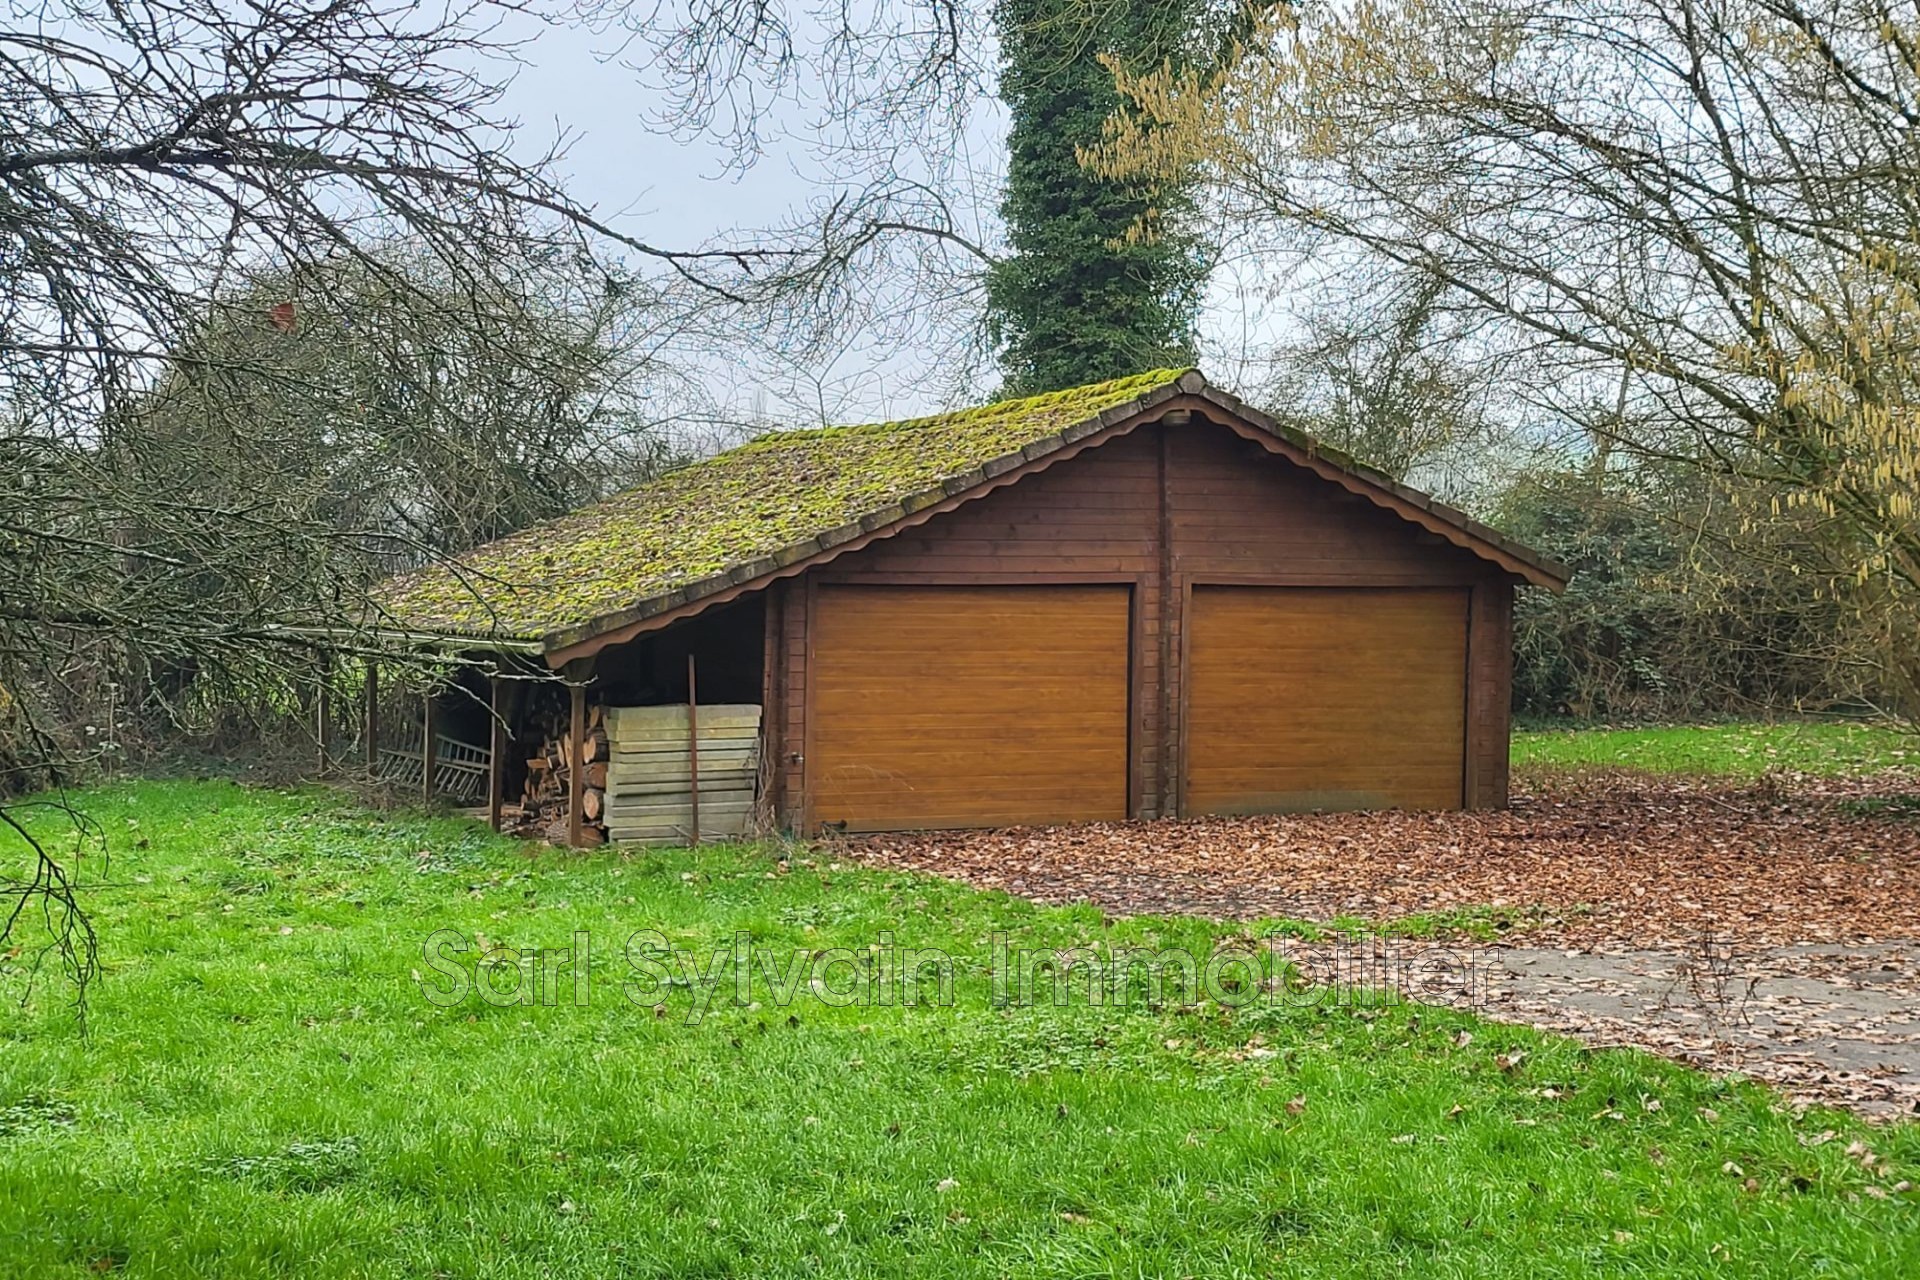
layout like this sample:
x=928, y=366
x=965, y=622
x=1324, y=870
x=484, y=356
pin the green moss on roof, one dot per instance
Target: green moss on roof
x=750, y=503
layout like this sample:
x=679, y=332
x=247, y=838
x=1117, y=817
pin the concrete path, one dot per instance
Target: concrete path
x=1827, y=1023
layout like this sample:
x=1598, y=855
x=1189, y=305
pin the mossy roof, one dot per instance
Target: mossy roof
x=769, y=498
x=778, y=500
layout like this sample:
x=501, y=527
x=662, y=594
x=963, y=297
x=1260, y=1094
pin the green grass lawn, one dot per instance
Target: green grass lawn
x=1743, y=749
x=268, y=1091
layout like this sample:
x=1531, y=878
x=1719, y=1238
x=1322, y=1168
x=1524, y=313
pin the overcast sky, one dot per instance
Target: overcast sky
x=679, y=193
x=672, y=192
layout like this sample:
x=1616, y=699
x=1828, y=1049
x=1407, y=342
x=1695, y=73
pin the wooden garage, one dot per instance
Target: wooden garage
x=1139, y=599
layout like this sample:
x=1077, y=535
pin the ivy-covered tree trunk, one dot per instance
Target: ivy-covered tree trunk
x=1084, y=295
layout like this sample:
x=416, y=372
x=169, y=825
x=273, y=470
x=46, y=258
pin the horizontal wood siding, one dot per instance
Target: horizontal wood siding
x=1326, y=698
x=954, y=706
x=1236, y=510
x=1093, y=518
x=1239, y=515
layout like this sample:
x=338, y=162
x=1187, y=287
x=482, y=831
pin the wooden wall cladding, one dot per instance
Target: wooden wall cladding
x=956, y=706
x=1163, y=511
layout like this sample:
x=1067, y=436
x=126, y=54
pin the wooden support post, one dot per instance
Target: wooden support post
x=496, y=749
x=693, y=751
x=373, y=720
x=767, y=808
x=322, y=716
x=427, y=731
x=1169, y=782
x=577, y=767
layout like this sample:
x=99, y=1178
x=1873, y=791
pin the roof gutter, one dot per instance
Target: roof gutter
x=429, y=641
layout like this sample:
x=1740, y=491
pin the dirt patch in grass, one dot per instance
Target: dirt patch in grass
x=1587, y=859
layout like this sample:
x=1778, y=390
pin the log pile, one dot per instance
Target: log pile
x=542, y=808
x=638, y=774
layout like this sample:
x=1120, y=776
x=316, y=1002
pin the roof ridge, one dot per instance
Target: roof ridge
x=772, y=503
x=1009, y=405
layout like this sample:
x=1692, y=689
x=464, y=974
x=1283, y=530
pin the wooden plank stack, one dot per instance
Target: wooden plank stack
x=650, y=774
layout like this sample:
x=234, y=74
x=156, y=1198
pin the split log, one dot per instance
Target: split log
x=545, y=792
x=594, y=748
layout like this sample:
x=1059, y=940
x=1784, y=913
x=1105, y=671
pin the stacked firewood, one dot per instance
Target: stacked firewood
x=542, y=809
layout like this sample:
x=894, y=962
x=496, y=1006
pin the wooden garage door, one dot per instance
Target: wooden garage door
x=967, y=706
x=1325, y=698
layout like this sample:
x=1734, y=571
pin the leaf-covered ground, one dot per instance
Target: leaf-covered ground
x=1672, y=881
x=1596, y=859
x=268, y=1091
x=1838, y=1024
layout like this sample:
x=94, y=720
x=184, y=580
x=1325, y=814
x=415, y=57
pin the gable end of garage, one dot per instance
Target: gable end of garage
x=1156, y=511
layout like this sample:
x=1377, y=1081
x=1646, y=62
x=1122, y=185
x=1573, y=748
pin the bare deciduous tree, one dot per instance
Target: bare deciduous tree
x=1387, y=382
x=1705, y=213
x=860, y=76
x=146, y=146
x=159, y=161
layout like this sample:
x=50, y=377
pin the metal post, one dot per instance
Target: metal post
x=693, y=749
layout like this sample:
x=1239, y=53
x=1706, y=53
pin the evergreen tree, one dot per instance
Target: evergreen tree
x=1083, y=296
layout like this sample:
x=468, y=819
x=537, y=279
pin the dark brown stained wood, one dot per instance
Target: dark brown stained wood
x=1238, y=509
x=1106, y=505
x=429, y=730
x=496, y=749
x=1167, y=511
x=1194, y=405
x=1158, y=708
x=796, y=598
x=967, y=706
x=1325, y=698
x=1490, y=688
x=772, y=687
